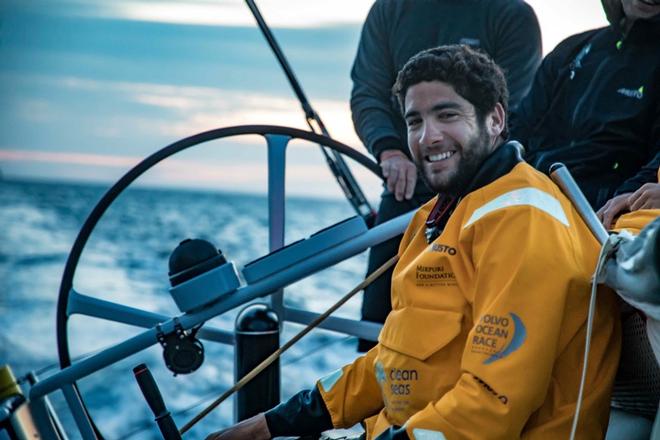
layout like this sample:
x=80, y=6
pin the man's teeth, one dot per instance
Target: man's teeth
x=441, y=156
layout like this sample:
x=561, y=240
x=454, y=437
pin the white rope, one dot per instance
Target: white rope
x=606, y=252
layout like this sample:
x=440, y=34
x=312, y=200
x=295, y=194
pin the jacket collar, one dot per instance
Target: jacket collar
x=499, y=163
x=643, y=31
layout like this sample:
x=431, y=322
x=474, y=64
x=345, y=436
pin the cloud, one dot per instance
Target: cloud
x=185, y=110
x=295, y=14
x=301, y=179
x=105, y=160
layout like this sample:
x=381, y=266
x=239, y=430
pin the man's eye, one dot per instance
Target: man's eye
x=447, y=115
x=412, y=122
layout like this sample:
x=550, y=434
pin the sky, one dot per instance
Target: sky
x=91, y=87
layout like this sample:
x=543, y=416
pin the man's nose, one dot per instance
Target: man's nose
x=431, y=134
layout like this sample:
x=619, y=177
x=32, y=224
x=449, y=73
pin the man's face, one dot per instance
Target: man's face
x=636, y=9
x=447, y=141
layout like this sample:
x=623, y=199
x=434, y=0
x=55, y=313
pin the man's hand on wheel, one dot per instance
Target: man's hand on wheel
x=254, y=428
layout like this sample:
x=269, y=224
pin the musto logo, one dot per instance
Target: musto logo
x=498, y=336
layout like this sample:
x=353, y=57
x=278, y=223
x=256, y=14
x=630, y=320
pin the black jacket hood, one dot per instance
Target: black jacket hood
x=615, y=15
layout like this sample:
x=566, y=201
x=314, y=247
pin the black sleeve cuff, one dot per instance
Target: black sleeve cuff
x=303, y=414
x=393, y=433
x=388, y=143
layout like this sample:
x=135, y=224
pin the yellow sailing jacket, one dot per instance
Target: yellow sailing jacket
x=486, y=335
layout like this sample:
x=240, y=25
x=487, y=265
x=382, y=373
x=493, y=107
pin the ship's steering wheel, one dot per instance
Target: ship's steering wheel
x=64, y=311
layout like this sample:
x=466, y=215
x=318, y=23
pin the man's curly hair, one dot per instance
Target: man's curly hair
x=472, y=74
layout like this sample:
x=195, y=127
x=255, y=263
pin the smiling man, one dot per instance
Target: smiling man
x=490, y=294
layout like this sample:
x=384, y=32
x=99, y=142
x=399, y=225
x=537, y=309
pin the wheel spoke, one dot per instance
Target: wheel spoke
x=97, y=308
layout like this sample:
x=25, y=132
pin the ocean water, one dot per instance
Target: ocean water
x=125, y=261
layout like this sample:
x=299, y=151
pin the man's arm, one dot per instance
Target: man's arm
x=339, y=400
x=533, y=108
x=352, y=393
x=373, y=75
x=628, y=193
x=518, y=47
x=646, y=174
x=376, y=122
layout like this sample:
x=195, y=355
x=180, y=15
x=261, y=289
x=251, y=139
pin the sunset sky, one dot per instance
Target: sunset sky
x=90, y=87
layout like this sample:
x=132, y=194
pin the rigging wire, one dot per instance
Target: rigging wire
x=334, y=160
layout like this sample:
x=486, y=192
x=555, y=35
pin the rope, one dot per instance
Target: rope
x=606, y=252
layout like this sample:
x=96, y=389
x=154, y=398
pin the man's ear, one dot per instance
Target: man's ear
x=496, y=121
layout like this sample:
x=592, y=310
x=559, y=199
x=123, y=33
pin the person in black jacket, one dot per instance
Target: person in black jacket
x=394, y=31
x=595, y=106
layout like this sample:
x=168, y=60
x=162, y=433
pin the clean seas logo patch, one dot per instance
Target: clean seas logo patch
x=632, y=93
x=498, y=336
x=380, y=373
x=381, y=379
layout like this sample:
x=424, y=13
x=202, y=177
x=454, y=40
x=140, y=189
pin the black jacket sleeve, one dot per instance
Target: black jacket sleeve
x=518, y=47
x=303, y=414
x=649, y=172
x=535, y=106
x=373, y=74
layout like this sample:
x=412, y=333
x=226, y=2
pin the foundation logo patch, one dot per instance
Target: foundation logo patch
x=498, y=336
x=434, y=275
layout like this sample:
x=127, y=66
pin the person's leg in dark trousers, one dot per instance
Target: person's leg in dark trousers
x=376, y=302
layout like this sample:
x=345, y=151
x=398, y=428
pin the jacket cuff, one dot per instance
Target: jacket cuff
x=388, y=143
x=303, y=414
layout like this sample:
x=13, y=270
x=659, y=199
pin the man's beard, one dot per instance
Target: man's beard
x=471, y=159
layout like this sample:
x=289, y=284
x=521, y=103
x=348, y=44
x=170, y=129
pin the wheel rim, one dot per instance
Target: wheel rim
x=66, y=284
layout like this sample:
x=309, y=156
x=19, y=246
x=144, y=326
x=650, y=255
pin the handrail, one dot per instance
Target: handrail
x=242, y=295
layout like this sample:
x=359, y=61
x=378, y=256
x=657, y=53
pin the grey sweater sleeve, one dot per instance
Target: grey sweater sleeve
x=373, y=75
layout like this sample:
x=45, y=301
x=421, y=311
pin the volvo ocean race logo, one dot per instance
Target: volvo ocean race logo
x=498, y=336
